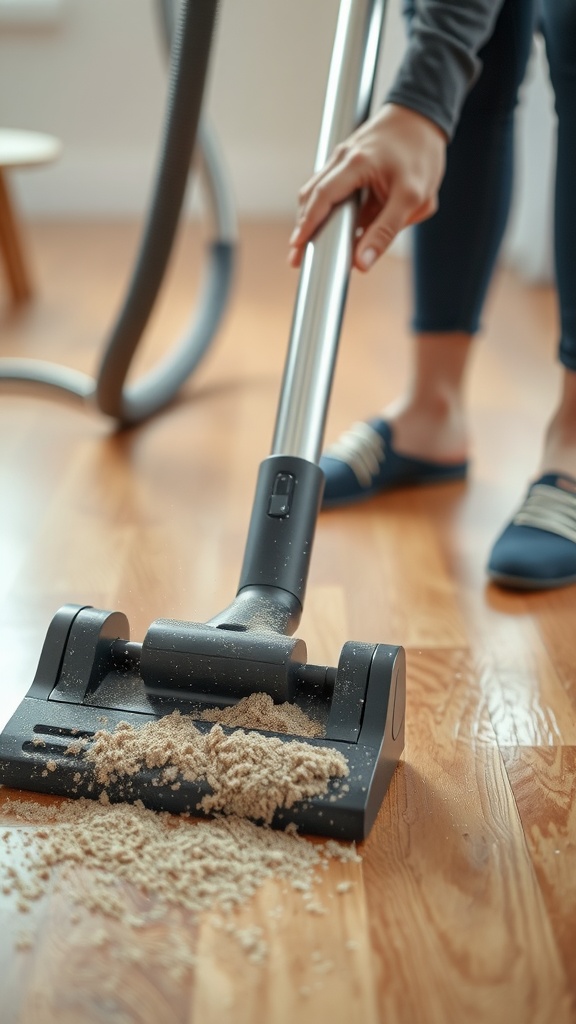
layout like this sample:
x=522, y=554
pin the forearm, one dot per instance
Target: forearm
x=441, y=62
x=397, y=158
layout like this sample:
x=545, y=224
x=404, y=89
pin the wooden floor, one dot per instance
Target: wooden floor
x=465, y=903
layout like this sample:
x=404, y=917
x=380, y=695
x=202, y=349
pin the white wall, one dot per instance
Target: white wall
x=95, y=76
x=97, y=79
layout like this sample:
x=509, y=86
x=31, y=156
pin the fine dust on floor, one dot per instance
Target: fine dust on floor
x=177, y=863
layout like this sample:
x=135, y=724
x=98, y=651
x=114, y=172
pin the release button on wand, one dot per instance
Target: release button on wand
x=281, y=497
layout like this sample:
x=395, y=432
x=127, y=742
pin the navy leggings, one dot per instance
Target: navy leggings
x=455, y=251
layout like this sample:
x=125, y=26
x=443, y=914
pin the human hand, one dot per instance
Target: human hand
x=397, y=157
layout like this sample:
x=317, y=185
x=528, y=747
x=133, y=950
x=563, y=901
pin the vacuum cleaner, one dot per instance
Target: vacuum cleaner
x=90, y=670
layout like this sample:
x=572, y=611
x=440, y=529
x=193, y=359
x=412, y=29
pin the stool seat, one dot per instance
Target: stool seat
x=18, y=150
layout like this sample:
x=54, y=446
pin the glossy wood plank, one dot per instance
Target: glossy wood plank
x=318, y=965
x=462, y=932
x=544, y=786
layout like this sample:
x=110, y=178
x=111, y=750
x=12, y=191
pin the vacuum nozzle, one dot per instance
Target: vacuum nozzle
x=90, y=671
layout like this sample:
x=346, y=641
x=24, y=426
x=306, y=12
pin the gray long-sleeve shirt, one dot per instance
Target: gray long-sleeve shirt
x=441, y=61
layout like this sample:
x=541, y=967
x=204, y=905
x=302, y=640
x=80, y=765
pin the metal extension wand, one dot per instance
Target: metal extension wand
x=327, y=262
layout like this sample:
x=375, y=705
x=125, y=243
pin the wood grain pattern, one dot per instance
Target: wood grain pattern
x=461, y=909
x=544, y=785
x=317, y=965
x=450, y=855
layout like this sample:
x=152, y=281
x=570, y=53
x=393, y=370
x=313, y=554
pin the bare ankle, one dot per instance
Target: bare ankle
x=430, y=420
x=559, y=452
x=434, y=429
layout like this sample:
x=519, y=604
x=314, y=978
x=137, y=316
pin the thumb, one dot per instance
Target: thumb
x=383, y=230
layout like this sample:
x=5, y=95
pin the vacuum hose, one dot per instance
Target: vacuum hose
x=189, y=40
x=190, y=55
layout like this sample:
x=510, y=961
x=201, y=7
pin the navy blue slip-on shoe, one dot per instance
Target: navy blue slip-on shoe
x=537, y=549
x=363, y=463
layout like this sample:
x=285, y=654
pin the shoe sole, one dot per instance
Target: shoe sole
x=356, y=499
x=526, y=583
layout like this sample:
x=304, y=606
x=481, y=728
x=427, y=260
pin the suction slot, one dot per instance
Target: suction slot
x=29, y=747
x=51, y=730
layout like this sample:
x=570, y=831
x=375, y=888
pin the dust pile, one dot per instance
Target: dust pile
x=134, y=866
x=250, y=775
x=258, y=711
x=174, y=863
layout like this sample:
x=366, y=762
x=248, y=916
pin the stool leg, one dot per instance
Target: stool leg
x=11, y=247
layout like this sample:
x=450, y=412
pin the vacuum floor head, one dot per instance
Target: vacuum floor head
x=90, y=673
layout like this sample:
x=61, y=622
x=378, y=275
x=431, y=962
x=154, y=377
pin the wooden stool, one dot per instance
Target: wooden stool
x=19, y=149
